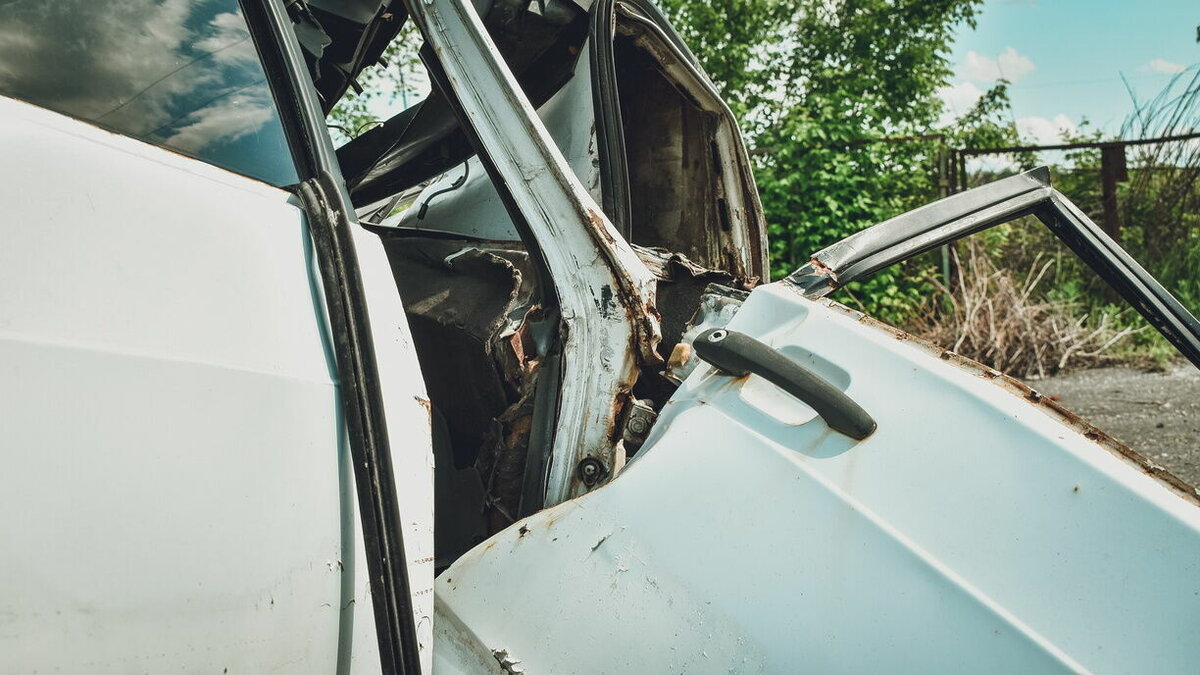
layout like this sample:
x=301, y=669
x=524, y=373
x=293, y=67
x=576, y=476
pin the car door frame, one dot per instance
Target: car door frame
x=616, y=194
x=996, y=203
x=603, y=292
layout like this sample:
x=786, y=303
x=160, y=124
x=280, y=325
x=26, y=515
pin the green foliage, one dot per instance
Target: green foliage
x=735, y=41
x=839, y=102
x=382, y=86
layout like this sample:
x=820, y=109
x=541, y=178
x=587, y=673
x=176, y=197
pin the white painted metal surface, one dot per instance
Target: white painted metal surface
x=599, y=280
x=169, y=430
x=973, y=532
x=175, y=471
x=474, y=209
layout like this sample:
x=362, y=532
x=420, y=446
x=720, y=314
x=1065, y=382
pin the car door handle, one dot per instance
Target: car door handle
x=738, y=354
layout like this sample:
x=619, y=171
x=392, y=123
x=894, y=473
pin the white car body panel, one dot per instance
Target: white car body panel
x=176, y=470
x=974, y=531
x=477, y=210
x=408, y=419
x=181, y=493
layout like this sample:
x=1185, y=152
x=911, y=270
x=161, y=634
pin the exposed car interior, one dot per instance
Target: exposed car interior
x=481, y=311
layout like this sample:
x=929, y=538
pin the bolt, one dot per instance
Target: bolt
x=717, y=336
x=591, y=471
x=637, y=425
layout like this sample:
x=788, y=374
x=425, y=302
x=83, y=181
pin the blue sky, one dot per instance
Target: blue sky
x=1065, y=58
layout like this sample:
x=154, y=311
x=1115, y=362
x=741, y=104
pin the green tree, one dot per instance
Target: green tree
x=384, y=85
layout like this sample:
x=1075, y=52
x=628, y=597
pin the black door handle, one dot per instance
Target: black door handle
x=738, y=354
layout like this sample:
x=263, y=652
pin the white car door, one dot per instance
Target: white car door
x=890, y=507
x=177, y=484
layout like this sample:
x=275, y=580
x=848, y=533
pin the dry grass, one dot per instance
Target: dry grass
x=998, y=318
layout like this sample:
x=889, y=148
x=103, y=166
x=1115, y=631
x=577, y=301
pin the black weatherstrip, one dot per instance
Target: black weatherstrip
x=610, y=129
x=330, y=221
x=366, y=425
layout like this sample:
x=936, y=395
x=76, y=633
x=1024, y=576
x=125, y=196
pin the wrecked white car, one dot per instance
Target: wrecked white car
x=548, y=418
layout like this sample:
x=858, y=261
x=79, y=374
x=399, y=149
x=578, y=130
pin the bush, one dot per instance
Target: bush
x=1005, y=320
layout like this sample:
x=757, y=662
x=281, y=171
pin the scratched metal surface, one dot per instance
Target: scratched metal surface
x=980, y=528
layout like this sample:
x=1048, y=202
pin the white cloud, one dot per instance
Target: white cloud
x=959, y=98
x=175, y=72
x=1042, y=131
x=226, y=120
x=228, y=42
x=992, y=163
x=1008, y=65
x=1164, y=66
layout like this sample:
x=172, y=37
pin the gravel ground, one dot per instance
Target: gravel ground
x=1157, y=414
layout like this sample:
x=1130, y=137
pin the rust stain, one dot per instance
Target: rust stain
x=597, y=223
x=1037, y=400
x=617, y=412
x=821, y=269
x=642, y=312
x=679, y=356
x=424, y=403
x=517, y=344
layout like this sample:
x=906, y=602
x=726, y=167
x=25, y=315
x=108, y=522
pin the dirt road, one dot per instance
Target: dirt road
x=1157, y=414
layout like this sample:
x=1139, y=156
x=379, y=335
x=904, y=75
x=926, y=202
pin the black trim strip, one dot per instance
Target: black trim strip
x=366, y=426
x=330, y=218
x=1119, y=270
x=610, y=128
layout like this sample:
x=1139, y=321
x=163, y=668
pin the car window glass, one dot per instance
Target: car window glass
x=181, y=74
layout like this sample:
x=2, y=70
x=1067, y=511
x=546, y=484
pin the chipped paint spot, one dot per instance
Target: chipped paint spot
x=507, y=662
x=602, y=540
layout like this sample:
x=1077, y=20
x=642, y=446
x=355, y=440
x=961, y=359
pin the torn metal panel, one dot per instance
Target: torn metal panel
x=470, y=307
x=609, y=318
x=425, y=139
x=690, y=181
x=718, y=304
x=680, y=288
